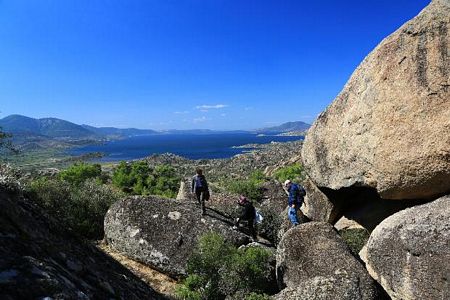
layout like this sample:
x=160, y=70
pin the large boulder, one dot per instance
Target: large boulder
x=163, y=233
x=389, y=127
x=39, y=259
x=317, y=206
x=342, y=287
x=313, y=253
x=409, y=252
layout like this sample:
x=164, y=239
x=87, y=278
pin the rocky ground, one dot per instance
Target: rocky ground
x=266, y=158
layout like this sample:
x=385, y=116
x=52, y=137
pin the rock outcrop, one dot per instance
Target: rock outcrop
x=409, y=252
x=40, y=260
x=163, y=233
x=312, y=258
x=342, y=287
x=317, y=206
x=389, y=127
x=286, y=224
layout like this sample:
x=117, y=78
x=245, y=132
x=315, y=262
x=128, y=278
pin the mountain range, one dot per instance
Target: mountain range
x=57, y=129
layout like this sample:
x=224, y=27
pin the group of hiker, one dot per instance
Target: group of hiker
x=248, y=213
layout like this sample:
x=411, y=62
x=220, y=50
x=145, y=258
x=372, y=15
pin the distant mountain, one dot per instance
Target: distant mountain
x=285, y=128
x=26, y=128
x=112, y=132
x=48, y=127
x=29, y=129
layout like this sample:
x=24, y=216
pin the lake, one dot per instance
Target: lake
x=192, y=146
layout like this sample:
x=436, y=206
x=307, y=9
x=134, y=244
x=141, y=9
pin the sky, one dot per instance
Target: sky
x=165, y=64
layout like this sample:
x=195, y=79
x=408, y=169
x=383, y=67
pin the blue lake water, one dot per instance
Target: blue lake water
x=192, y=146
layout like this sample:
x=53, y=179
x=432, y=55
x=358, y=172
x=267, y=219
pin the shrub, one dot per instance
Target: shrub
x=80, y=172
x=217, y=269
x=81, y=208
x=139, y=179
x=293, y=172
x=251, y=187
x=355, y=238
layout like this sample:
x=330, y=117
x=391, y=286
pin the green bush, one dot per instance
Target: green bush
x=80, y=172
x=255, y=296
x=251, y=187
x=139, y=179
x=293, y=172
x=217, y=269
x=81, y=208
x=355, y=238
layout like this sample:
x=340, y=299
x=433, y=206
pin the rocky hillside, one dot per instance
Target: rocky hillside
x=40, y=260
x=266, y=158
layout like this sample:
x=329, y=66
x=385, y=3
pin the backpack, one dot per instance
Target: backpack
x=200, y=180
x=301, y=193
x=258, y=217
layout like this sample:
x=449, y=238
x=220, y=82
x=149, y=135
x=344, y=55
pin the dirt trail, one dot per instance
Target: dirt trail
x=158, y=281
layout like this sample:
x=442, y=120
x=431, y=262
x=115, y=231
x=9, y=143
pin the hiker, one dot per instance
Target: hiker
x=200, y=188
x=296, y=193
x=247, y=215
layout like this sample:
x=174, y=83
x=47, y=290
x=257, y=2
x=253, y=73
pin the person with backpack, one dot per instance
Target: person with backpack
x=200, y=188
x=296, y=193
x=247, y=214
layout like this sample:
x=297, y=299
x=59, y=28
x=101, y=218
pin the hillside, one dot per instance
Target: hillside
x=47, y=127
x=114, y=133
x=297, y=126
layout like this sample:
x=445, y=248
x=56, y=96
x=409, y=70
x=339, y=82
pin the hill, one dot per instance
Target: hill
x=113, y=133
x=297, y=126
x=47, y=127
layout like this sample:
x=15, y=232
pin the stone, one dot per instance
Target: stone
x=340, y=287
x=39, y=259
x=345, y=223
x=317, y=206
x=389, y=127
x=286, y=224
x=409, y=252
x=163, y=233
x=313, y=254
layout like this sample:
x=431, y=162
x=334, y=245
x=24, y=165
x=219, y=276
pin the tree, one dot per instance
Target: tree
x=140, y=179
x=5, y=142
x=80, y=172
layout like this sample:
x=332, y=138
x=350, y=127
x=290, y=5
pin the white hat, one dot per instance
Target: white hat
x=287, y=182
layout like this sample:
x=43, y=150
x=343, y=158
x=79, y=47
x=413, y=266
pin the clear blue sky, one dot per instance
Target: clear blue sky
x=184, y=64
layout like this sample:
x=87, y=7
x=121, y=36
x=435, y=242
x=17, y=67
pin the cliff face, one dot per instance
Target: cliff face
x=40, y=259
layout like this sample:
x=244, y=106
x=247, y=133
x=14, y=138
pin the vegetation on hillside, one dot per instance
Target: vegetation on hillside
x=5, y=142
x=250, y=187
x=80, y=172
x=77, y=197
x=217, y=269
x=293, y=172
x=140, y=179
